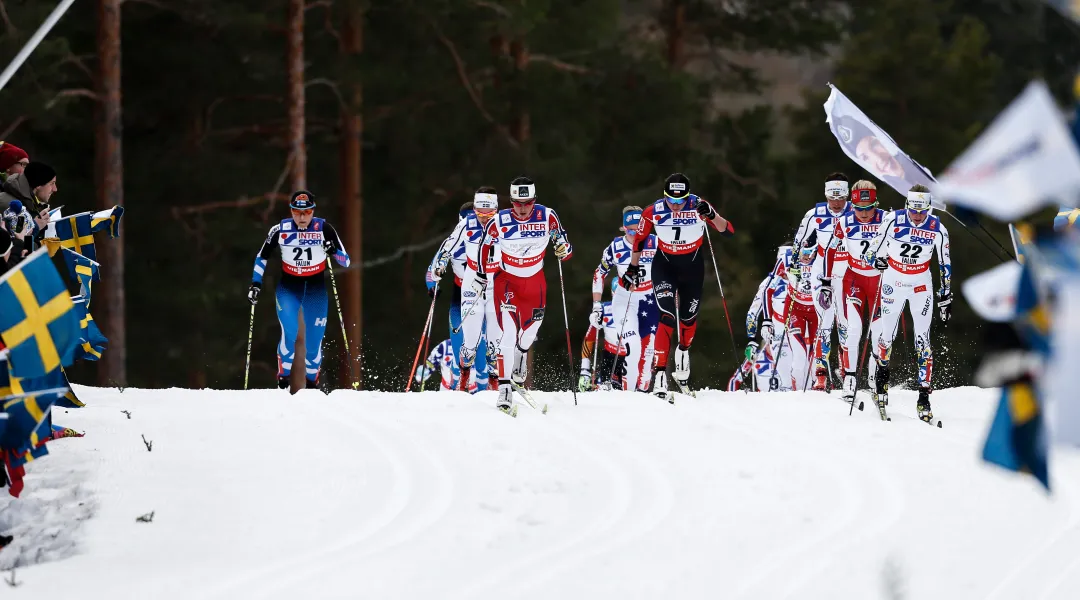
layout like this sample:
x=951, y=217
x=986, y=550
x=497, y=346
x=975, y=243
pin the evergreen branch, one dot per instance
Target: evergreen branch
x=242, y=202
x=742, y=180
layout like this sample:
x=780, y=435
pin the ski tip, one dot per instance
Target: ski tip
x=939, y=424
x=860, y=406
x=888, y=418
x=543, y=411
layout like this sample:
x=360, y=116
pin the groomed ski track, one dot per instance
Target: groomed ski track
x=437, y=495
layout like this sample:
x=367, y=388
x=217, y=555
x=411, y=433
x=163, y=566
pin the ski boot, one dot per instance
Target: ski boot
x=505, y=403
x=879, y=382
x=283, y=382
x=585, y=382
x=463, y=382
x=681, y=372
x=311, y=384
x=659, y=386
x=521, y=366
x=821, y=374
x=849, y=387
x=922, y=406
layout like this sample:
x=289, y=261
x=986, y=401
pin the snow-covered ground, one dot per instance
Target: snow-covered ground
x=436, y=495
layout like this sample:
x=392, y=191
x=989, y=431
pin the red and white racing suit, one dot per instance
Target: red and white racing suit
x=859, y=290
x=801, y=320
x=520, y=289
x=909, y=248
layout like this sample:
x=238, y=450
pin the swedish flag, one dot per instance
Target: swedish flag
x=83, y=270
x=107, y=220
x=91, y=341
x=1017, y=438
x=27, y=404
x=75, y=233
x=38, y=322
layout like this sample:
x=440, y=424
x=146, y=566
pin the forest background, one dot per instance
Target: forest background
x=201, y=116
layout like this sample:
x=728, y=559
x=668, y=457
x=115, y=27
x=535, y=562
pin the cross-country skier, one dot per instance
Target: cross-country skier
x=822, y=219
x=859, y=290
x=460, y=251
x=634, y=312
x=902, y=248
x=305, y=242
x=441, y=358
x=766, y=307
x=521, y=234
x=801, y=319
x=586, y=381
x=678, y=221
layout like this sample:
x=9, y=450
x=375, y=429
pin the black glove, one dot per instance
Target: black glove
x=330, y=246
x=631, y=277
x=881, y=263
x=944, y=306
x=433, y=291
x=705, y=210
x=774, y=383
x=253, y=292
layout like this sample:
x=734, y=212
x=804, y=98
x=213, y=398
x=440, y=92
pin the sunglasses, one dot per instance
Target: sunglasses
x=23, y=163
x=523, y=202
x=919, y=211
x=307, y=212
x=863, y=208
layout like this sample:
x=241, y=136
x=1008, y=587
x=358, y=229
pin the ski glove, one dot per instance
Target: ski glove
x=253, y=292
x=881, y=263
x=751, y=350
x=596, y=317
x=440, y=266
x=774, y=383
x=562, y=250
x=825, y=294
x=706, y=210
x=631, y=277
x=945, y=306
x=330, y=246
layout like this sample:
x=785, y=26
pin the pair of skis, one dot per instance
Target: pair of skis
x=882, y=400
x=512, y=410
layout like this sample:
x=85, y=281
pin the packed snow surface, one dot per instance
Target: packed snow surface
x=437, y=495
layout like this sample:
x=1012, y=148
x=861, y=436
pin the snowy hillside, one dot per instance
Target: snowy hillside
x=375, y=495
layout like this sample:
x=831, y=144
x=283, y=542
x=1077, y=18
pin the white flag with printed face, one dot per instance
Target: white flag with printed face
x=1024, y=161
x=872, y=148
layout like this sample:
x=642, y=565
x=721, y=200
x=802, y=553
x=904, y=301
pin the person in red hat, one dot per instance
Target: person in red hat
x=13, y=160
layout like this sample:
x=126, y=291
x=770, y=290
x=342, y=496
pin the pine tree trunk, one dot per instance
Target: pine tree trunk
x=676, y=33
x=352, y=45
x=109, y=175
x=294, y=58
x=521, y=126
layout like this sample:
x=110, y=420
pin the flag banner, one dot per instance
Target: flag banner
x=75, y=233
x=28, y=405
x=91, y=341
x=83, y=270
x=1017, y=436
x=1065, y=218
x=38, y=322
x=1025, y=160
x=107, y=220
x=1068, y=8
x=992, y=294
x=872, y=148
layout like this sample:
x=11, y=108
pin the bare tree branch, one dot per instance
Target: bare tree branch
x=558, y=64
x=77, y=61
x=502, y=10
x=466, y=83
x=242, y=202
x=330, y=84
x=14, y=125
x=726, y=169
x=85, y=93
x=7, y=20
x=327, y=4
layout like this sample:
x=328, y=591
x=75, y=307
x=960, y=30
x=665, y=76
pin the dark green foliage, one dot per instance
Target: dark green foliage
x=609, y=117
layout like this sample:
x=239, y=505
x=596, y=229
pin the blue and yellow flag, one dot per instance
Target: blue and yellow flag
x=107, y=220
x=83, y=270
x=1017, y=438
x=27, y=404
x=91, y=341
x=38, y=322
x=75, y=234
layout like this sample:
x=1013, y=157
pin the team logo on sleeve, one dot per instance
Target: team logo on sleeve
x=886, y=289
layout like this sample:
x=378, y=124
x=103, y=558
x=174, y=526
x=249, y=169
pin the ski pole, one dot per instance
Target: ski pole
x=427, y=345
x=344, y=336
x=723, y=299
x=566, y=321
x=423, y=336
x=864, y=360
x=251, y=330
x=619, y=347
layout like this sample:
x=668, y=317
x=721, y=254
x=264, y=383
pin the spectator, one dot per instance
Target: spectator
x=33, y=189
x=13, y=160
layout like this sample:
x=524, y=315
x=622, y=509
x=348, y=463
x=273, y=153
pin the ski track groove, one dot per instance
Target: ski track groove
x=265, y=581
x=659, y=504
x=618, y=502
x=432, y=506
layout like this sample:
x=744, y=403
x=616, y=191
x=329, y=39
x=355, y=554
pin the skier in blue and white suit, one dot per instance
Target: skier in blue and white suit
x=460, y=253
x=306, y=243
